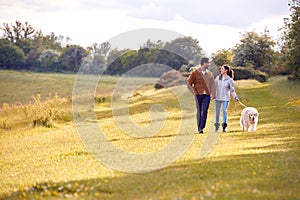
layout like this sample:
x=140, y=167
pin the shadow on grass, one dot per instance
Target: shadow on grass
x=254, y=176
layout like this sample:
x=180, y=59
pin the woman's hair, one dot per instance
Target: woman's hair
x=230, y=72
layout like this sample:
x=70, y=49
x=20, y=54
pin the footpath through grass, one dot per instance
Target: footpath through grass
x=53, y=163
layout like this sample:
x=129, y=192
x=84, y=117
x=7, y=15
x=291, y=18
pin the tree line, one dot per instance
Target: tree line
x=22, y=47
x=257, y=51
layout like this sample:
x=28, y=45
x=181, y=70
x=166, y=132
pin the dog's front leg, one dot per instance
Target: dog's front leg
x=244, y=126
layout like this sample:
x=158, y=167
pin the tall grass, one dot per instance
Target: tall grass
x=288, y=90
x=36, y=113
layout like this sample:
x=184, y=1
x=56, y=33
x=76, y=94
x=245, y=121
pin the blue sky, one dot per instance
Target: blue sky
x=217, y=24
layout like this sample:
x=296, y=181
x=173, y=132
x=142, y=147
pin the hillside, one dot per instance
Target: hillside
x=54, y=162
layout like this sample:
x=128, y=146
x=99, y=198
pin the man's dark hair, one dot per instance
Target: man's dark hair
x=204, y=60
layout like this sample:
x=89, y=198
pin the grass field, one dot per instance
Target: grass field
x=53, y=162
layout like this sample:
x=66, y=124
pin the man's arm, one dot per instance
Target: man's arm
x=191, y=89
x=189, y=82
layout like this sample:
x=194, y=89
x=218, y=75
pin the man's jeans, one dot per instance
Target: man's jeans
x=202, y=105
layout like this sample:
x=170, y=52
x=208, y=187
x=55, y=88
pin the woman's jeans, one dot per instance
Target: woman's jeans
x=224, y=110
x=202, y=105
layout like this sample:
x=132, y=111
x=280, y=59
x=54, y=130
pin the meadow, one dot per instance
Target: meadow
x=53, y=162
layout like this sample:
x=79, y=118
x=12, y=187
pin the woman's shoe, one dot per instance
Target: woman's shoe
x=224, y=125
x=217, y=125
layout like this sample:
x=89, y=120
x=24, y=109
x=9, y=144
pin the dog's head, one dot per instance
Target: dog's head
x=253, y=116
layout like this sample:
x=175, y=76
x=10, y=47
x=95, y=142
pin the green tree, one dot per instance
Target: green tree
x=254, y=50
x=25, y=45
x=11, y=56
x=97, y=58
x=223, y=56
x=71, y=57
x=40, y=44
x=102, y=49
x=113, y=61
x=129, y=61
x=93, y=64
x=174, y=54
x=48, y=61
x=293, y=39
x=52, y=41
x=186, y=47
x=168, y=58
x=152, y=44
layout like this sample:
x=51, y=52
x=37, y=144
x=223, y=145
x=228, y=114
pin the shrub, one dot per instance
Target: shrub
x=249, y=73
x=37, y=113
x=275, y=70
x=169, y=79
x=43, y=113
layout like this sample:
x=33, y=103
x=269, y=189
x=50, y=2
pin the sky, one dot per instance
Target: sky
x=216, y=24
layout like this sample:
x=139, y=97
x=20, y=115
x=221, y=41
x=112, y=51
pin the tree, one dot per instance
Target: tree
x=254, y=50
x=293, y=39
x=168, y=58
x=98, y=64
x=222, y=57
x=25, y=45
x=17, y=31
x=11, y=56
x=48, y=60
x=39, y=44
x=71, y=57
x=186, y=47
x=152, y=44
x=102, y=49
x=128, y=61
x=113, y=61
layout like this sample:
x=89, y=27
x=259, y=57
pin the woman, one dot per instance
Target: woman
x=224, y=86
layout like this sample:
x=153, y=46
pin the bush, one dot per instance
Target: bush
x=249, y=73
x=169, y=79
x=37, y=113
x=44, y=113
x=11, y=57
x=275, y=70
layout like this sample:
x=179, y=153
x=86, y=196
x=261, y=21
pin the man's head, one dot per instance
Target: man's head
x=204, y=62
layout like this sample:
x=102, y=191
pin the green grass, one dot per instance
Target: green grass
x=19, y=87
x=53, y=162
x=289, y=91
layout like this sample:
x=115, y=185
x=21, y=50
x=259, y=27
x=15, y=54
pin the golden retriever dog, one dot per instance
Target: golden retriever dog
x=249, y=119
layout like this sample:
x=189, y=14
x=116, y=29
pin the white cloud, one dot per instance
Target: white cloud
x=216, y=24
x=151, y=11
x=235, y=13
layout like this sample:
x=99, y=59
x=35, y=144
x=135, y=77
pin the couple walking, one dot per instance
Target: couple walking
x=205, y=87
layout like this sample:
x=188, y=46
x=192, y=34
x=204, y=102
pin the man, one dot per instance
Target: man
x=201, y=83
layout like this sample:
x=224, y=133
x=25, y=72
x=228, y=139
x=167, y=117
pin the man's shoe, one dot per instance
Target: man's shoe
x=201, y=132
